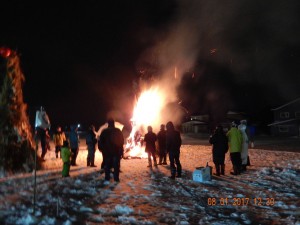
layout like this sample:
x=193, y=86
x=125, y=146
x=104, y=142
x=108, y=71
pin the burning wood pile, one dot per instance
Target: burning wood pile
x=147, y=111
x=16, y=146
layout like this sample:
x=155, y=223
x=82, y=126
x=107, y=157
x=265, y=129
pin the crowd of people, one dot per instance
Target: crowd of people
x=236, y=140
x=168, y=139
x=110, y=143
x=169, y=142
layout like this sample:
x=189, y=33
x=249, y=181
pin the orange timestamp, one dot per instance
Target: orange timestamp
x=240, y=201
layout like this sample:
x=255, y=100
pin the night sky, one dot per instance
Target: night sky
x=80, y=58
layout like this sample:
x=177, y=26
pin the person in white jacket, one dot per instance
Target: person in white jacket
x=244, y=154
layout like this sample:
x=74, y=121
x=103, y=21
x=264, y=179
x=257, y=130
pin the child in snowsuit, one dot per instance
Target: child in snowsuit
x=74, y=143
x=58, y=138
x=65, y=156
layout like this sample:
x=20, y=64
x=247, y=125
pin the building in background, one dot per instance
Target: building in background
x=286, y=119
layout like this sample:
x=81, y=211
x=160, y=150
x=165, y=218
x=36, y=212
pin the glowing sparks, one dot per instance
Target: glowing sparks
x=213, y=51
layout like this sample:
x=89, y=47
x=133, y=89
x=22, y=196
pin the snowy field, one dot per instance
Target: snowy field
x=268, y=193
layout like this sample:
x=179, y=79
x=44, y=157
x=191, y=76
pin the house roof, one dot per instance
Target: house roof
x=232, y=115
x=195, y=122
x=289, y=103
x=282, y=122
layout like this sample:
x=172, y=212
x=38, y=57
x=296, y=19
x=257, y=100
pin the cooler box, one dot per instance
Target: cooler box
x=202, y=174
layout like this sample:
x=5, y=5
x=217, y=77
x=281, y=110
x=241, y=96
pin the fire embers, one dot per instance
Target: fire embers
x=5, y=52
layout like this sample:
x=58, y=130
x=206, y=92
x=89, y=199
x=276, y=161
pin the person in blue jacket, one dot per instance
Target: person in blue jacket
x=74, y=143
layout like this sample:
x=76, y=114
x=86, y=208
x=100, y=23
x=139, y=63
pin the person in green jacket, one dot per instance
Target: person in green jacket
x=235, y=140
x=65, y=156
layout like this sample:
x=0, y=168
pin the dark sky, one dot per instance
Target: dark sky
x=80, y=58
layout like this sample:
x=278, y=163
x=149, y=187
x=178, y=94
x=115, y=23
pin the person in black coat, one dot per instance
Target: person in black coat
x=161, y=138
x=220, y=147
x=111, y=143
x=173, y=144
x=91, y=142
x=150, y=139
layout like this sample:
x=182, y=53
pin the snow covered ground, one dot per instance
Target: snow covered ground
x=268, y=193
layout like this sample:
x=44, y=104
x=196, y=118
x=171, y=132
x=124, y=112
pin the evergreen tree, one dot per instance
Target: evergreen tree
x=16, y=144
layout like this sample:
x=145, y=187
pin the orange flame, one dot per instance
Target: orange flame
x=146, y=113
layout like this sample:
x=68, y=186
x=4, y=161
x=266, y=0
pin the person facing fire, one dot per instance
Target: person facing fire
x=47, y=136
x=41, y=134
x=244, y=153
x=74, y=143
x=161, y=138
x=111, y=143
x=173, y=144
x=219, y=149
x=150, y=139
x=235, y=140
x=58, y=138
x=91, y=142
x=65, y=156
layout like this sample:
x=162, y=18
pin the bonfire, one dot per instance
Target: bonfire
x=146, y=112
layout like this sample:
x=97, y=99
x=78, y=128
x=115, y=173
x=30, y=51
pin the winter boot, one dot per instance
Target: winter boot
x=243, y=168
x=223, y=169
x=160, y=161
x=149, y=162
x=178, y=171
x=248, y=161
x=172, y=177
x=217, y=170
x=235, y=171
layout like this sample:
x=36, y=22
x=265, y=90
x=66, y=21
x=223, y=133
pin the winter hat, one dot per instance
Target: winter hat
x=66, y=144
x=170, y=126
x=233, y=124
x=244, y=122
x=111, y=122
